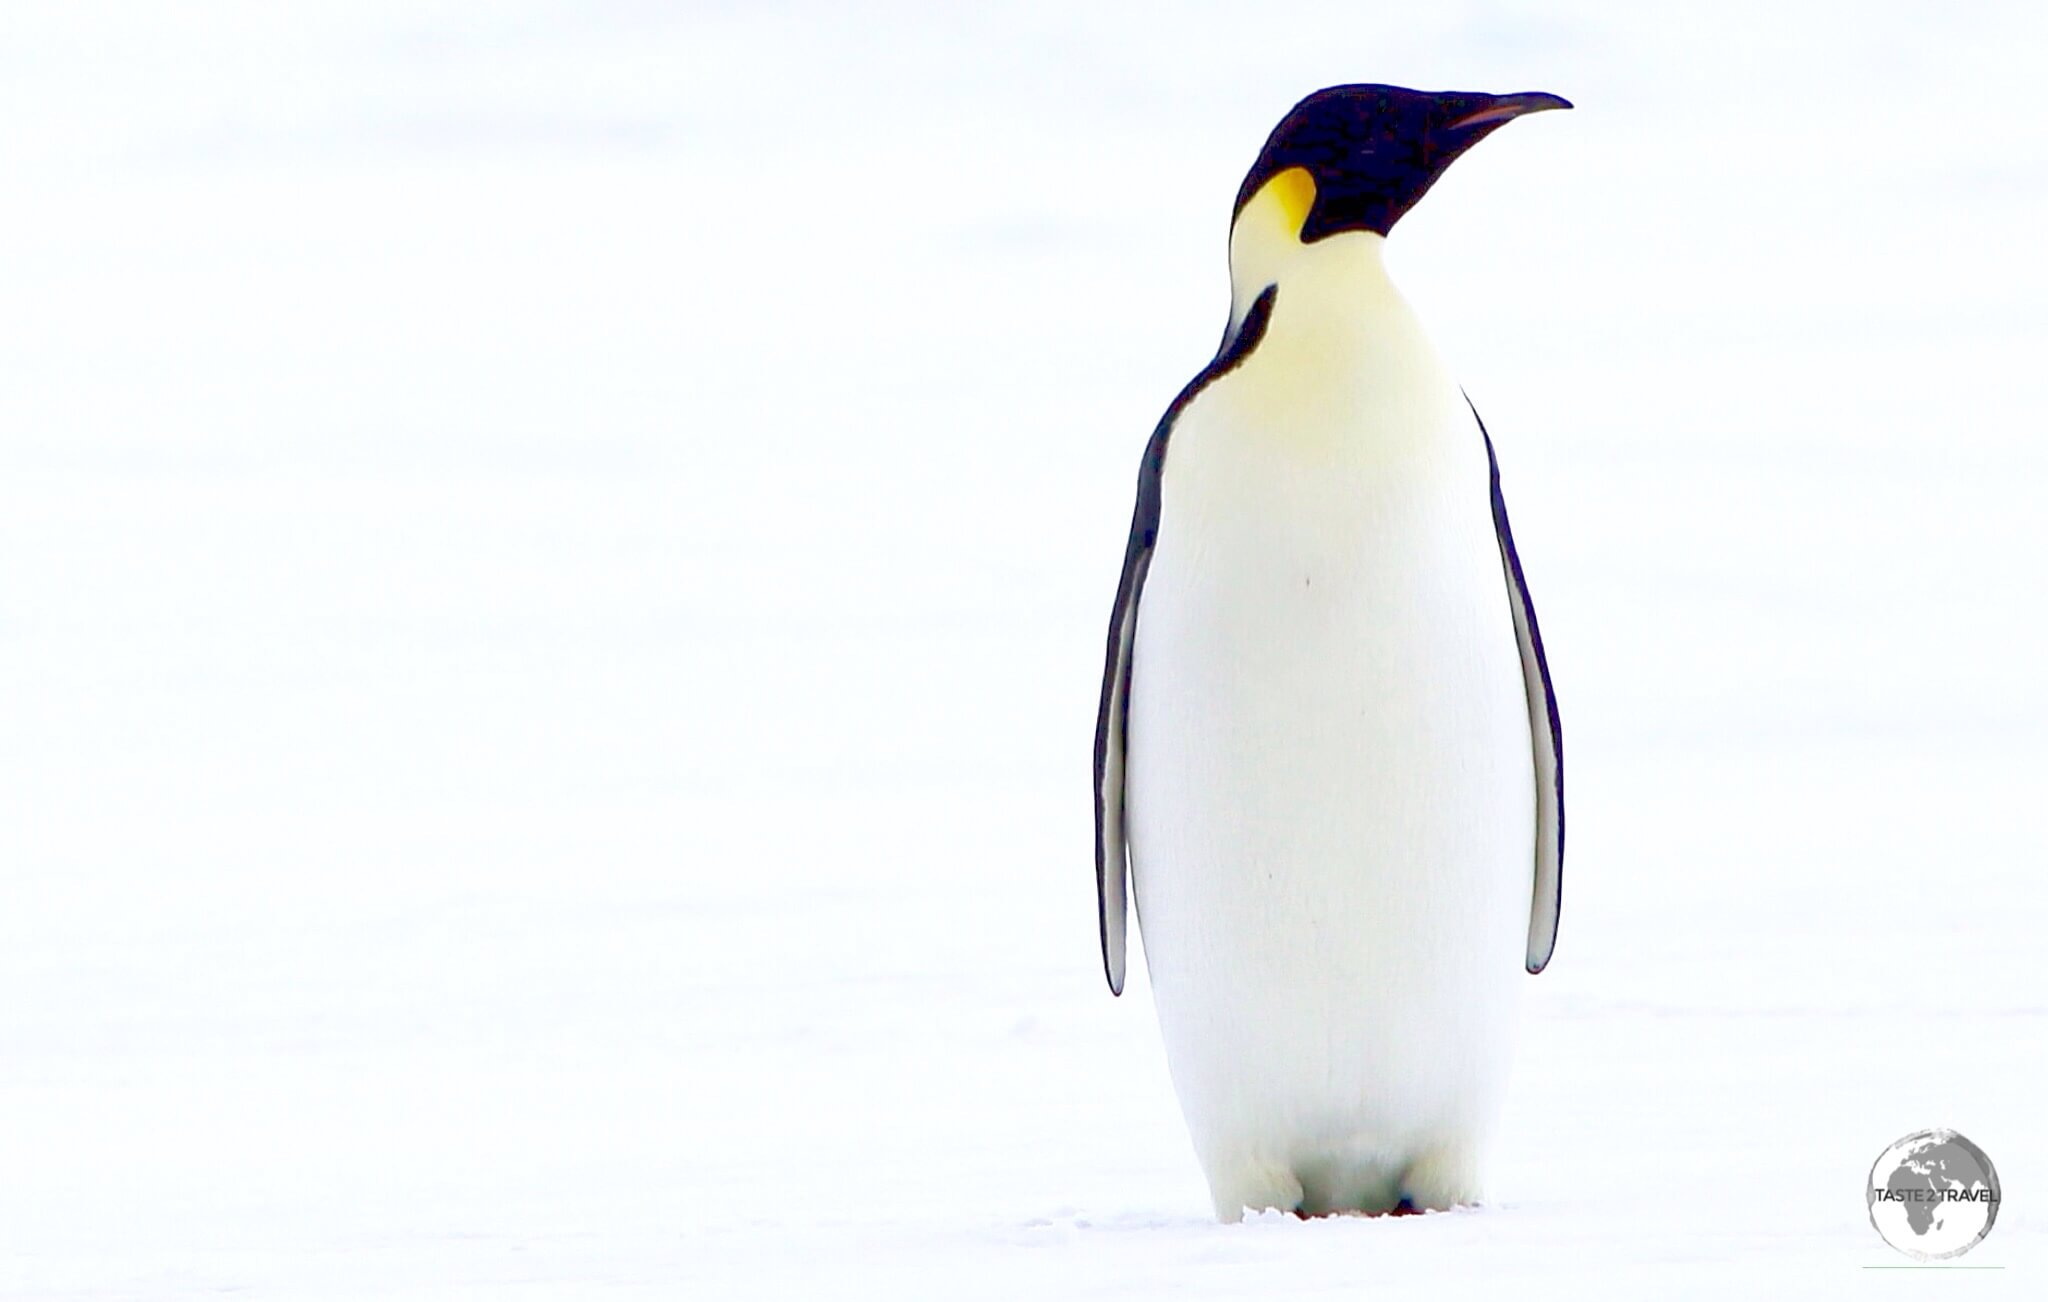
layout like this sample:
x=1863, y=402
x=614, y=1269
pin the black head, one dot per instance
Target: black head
x=1372, y=151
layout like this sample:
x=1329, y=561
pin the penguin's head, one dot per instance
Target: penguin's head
x=1355, y=158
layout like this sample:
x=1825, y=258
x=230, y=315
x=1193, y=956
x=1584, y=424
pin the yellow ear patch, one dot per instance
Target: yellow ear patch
x=1293, y=192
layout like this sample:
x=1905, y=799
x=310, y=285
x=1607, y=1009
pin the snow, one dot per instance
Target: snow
x=552, y=571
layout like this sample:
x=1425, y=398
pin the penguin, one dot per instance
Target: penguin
x=1327, y=753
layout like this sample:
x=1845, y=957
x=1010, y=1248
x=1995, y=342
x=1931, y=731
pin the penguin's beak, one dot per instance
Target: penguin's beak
x=1502, y=108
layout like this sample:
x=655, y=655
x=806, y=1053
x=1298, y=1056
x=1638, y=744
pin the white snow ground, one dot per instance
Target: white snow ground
x=552, y=567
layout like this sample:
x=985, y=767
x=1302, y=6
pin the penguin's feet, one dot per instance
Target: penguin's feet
x=1437, y=1180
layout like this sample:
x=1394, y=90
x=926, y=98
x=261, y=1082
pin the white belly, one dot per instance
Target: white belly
x=1330, y=789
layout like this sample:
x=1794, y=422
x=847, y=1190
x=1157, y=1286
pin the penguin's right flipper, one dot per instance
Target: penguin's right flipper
x=1112, y=716
x=1112, y=724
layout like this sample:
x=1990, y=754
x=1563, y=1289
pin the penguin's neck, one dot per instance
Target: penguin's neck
x=1338, y=324
x=1336, y=287
x=1341, y=344
x=1345, y=268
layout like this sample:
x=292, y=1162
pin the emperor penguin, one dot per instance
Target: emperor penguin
x=1328, y=752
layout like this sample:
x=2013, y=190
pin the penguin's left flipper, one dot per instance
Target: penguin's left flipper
x=1547, y=899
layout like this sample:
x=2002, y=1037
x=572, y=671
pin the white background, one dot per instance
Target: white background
x=553, y=562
